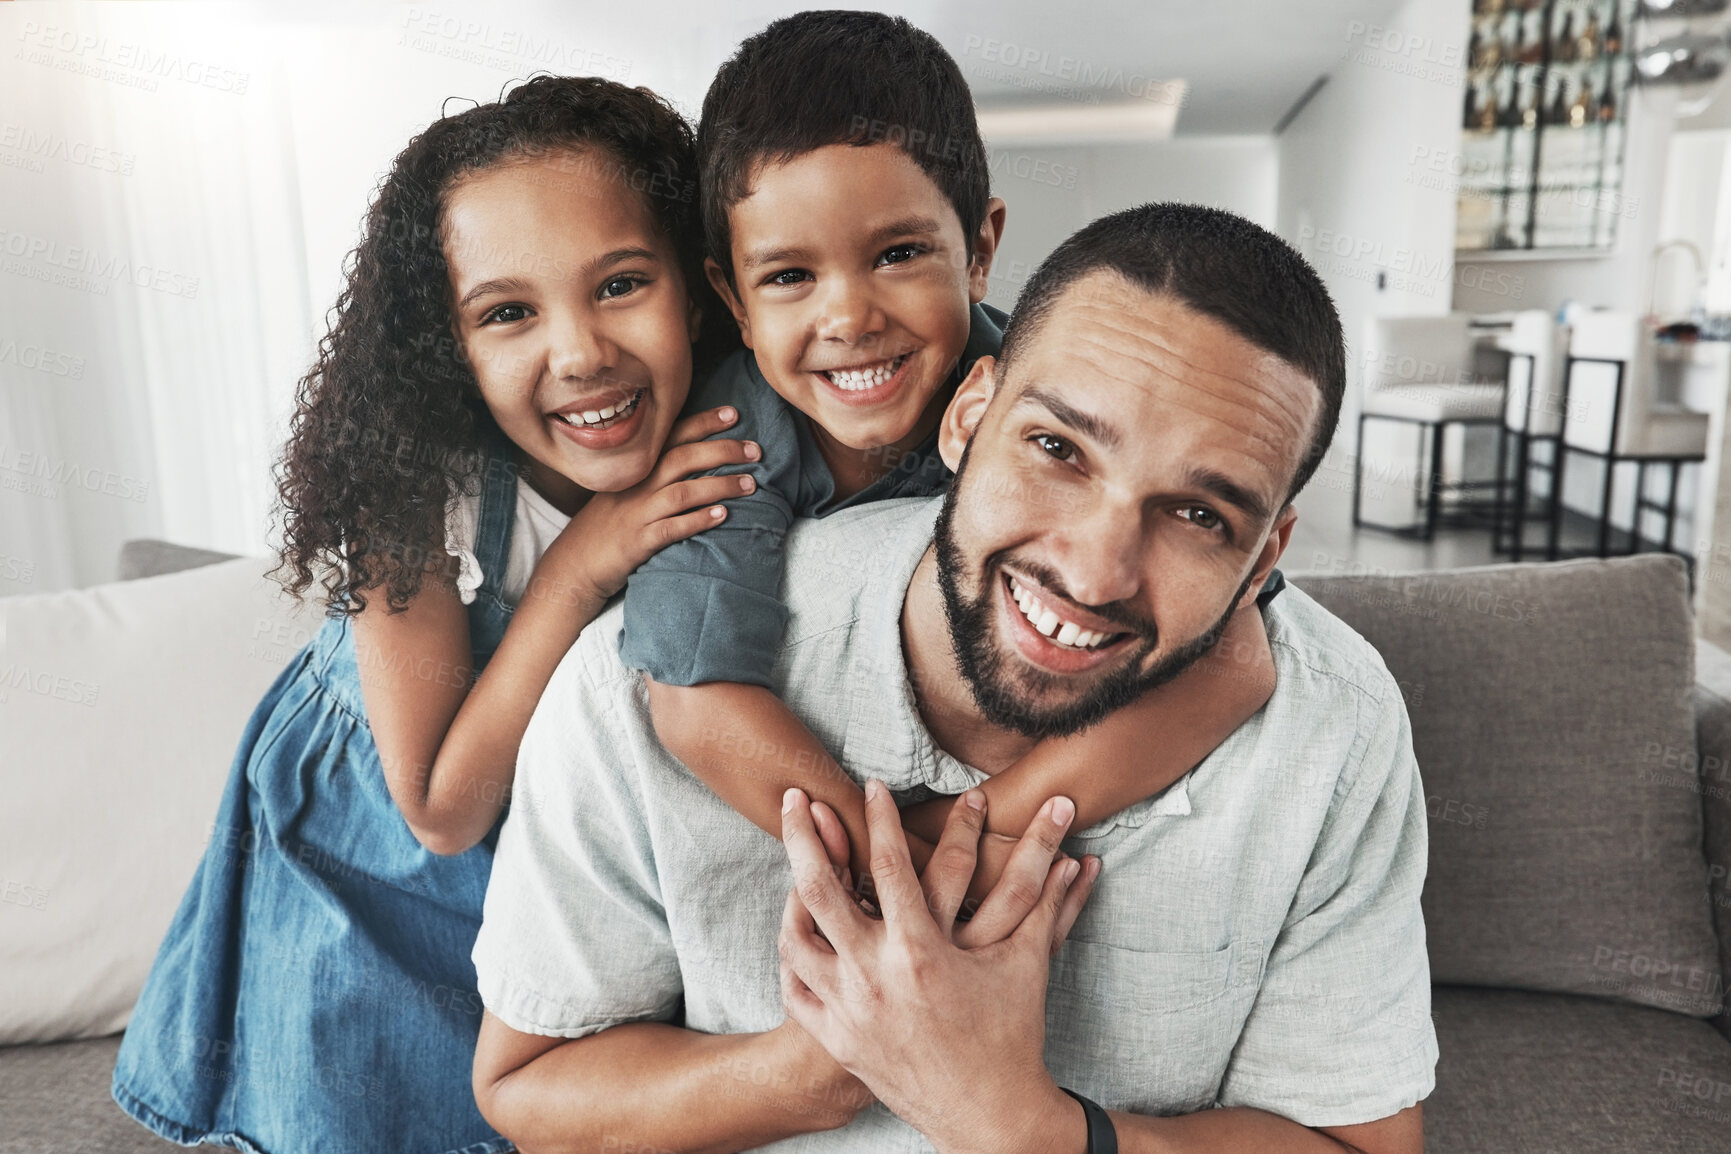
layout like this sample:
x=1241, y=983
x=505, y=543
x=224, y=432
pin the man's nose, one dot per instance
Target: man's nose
x=1099, y=552
x=850, y=312
x=579, y=349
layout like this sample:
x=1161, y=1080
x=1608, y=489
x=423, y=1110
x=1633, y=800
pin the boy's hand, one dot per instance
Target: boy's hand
x=994, y=858
x=614, y=533
x=954, y=874
x=924, y=824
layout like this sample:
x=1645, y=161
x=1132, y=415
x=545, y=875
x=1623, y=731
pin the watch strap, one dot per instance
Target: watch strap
x=1102, y=1135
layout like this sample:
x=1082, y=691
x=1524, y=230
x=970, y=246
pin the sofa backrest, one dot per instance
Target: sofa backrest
x=1553, y=720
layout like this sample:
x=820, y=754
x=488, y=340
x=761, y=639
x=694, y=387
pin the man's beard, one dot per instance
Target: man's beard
x=984, y=664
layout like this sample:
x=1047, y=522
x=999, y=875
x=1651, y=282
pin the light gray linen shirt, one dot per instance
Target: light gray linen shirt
x=1254, y=938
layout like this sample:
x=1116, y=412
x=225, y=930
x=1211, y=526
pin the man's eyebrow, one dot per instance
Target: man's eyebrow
x=1098, y=429
x=1230, y=491
x=511, y=284
x=1095, y=428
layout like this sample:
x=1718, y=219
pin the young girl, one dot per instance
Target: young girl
x=477, y=463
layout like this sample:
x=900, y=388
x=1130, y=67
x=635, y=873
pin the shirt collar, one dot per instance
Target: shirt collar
x=886, y=737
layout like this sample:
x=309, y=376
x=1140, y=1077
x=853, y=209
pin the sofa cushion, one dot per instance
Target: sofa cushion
x=1713, y=732
x=1552, y=719
x=120, y=706
x=148, y=557
x=1523, y=1073
x=57, y=1102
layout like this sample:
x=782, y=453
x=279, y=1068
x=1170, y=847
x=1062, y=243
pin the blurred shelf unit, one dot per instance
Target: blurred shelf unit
x=1543, y=119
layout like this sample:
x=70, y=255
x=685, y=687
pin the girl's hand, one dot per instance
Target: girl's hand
x=614, y=533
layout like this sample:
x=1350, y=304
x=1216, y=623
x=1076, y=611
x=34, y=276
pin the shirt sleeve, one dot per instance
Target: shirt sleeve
x=574, y=936
x=1341, y=1032
x=709, y=608
x=462, y=518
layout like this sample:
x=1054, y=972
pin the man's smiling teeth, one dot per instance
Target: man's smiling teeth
x=870, y=377
x=1051, y=625
x=592, y=417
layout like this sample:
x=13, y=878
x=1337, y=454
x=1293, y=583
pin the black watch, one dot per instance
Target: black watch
x=1102, y=1135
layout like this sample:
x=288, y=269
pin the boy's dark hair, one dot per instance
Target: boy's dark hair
x=390, y=422
x=1221, y=265
x=822, y=78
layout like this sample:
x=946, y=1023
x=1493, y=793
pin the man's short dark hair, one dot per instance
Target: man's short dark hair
x=1221, y=265
x=822, y=78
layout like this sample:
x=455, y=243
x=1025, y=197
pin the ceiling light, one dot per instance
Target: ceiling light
x=1076, y=123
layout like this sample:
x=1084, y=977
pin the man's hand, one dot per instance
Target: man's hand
x=944, y=1023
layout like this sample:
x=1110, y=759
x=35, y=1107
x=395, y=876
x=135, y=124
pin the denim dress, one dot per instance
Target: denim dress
x=314, y=994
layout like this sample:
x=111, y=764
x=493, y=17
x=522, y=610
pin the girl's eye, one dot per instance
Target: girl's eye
x=788, y=276
x=620, y=286
x=901, y=253
x=1202, y=517
x=505, y=314
x=1056, y=447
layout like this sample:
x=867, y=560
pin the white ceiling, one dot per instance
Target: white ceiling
x=1246, y=61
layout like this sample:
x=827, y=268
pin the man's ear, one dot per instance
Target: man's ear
x=985, y=247
x=1279, y=537
x=962, y=418
x=718, y=282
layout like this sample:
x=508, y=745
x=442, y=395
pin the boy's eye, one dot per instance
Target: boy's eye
x=1202, y=517
x=620, y=286
x=505, y=314
x=1056, y=447
x=901, y=253
x=787, y=276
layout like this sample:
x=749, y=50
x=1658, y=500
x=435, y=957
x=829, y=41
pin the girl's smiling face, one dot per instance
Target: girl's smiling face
x=570, y=307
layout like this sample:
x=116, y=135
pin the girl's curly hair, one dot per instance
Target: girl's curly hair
x=389, y=423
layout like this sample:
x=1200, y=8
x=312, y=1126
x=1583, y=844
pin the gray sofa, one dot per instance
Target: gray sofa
x=1577, y=768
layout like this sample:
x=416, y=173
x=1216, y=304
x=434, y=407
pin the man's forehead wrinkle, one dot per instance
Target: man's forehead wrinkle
x=1139, y=350
x=1119, y=306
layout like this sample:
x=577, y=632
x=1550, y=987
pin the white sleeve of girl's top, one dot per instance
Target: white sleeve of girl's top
x=462, y=517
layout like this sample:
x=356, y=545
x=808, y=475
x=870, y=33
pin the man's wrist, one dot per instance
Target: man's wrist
x=1041, y=1120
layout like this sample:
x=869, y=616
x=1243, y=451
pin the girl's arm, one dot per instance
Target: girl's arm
x=449, y=749
x=1133, y=753
x=750, y=748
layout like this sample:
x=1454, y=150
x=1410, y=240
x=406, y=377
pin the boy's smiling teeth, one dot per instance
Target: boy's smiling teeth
x=1065, y=633
x=869, y=377
x=594, y=418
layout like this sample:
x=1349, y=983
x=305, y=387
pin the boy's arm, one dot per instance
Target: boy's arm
x=750, y=748
x=1132, y=754
x=708, y=608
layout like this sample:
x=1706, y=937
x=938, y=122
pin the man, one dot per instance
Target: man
x=1168, y=383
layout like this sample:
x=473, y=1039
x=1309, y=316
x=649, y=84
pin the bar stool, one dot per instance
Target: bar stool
x=1532, y=415
x=1417, y=371
x=1613, y=413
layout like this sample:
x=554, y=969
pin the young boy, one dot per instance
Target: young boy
x=850, y=230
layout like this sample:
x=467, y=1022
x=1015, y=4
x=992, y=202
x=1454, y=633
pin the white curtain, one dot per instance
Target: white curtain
x=153, y=305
